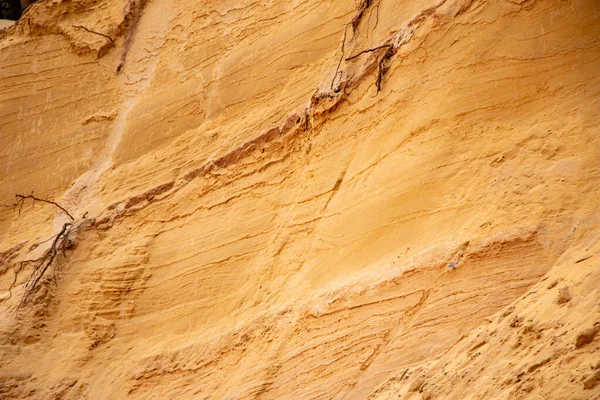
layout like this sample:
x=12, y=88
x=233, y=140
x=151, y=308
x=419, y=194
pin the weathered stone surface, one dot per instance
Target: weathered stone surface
x=258, y=214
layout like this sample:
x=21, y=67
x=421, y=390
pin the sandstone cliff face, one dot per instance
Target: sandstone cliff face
x=301, y=199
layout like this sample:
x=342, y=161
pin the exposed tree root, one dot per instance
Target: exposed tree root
x=361, y=8
x=389, y=52
x=376, y=17
x=16, y=272
x=360, y=13
x=60, y=245
x=21, y=201
x=94, y=32
x=383, y=46
x=337, y=69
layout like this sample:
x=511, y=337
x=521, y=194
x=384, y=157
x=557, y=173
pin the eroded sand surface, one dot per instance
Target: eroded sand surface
x=263, y=209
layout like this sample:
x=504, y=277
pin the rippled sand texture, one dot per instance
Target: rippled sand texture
x=302, y=199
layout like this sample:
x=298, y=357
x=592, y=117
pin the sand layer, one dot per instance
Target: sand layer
x=308, y=199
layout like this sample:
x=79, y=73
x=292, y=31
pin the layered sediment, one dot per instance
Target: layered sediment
x=305, y=199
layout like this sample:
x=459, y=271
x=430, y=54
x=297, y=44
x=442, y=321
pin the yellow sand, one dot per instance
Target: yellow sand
x=248, y=224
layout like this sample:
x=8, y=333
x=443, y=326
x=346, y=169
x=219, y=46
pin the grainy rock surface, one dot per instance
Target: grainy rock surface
x=301, y=199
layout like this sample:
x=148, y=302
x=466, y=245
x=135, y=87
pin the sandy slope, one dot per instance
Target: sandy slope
x=250, y=223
